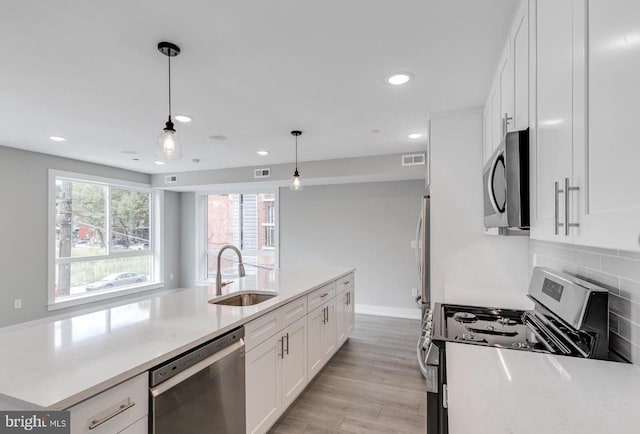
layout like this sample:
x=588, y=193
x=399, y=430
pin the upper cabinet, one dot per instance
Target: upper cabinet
x=585, y=57
x=507, y=107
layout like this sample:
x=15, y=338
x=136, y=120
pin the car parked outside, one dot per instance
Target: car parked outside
x=117, y=279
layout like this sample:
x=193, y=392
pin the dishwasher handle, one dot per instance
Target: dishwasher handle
x=192, y=370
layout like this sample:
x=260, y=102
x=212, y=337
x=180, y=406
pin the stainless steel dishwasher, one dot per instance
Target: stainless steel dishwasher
x=201, y=391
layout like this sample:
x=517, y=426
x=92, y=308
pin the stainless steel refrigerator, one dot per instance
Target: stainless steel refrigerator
x=423, y=253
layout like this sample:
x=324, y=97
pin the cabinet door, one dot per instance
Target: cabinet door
x=497, y=118
x=551, y=138
x=294, y=363
x=264, y=384
x=488, y=132
x=505, y=83
x=607, y=160
x=520, y=61
x=329, y=331
x=350, y=313
x=341, y=317
x=315, y=325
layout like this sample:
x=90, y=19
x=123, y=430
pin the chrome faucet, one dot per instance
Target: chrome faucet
x=219, y=284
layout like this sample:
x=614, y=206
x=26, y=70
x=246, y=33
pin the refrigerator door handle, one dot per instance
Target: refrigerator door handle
x=419, y=244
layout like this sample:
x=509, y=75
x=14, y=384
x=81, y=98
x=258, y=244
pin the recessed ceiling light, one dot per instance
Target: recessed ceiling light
x=183, y=118
x=415, y=136
x=218, y=138
x=263, y=153
x=159, y=163
x=58, y=138
x=399, y=79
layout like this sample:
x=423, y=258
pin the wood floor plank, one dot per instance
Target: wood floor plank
x=372, y=385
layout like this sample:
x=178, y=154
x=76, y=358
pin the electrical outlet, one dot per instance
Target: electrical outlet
x=414, y=244
x=414, y=292
x=17, y=303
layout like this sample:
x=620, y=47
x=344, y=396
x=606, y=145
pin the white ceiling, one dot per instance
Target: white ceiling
x=251, y=70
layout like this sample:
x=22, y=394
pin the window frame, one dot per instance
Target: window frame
x=201, y=244
x=156, y=229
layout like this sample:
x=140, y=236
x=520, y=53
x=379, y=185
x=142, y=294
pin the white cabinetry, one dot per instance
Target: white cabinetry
x=121, y=409
x=288, y=346
x=507, y=108
x=345, y=314
x=552, y=109
x=587, y=67
x=263, y=370
x=322, y=336
x=607, y=158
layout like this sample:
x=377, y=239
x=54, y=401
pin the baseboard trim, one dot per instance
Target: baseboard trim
x=396, y=312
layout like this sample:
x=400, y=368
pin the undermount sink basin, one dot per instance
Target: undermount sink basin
x=245, y=299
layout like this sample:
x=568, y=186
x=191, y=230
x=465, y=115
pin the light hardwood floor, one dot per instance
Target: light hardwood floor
x=372, y=385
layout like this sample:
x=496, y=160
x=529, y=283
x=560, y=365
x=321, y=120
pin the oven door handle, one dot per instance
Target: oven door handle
x=192, y=370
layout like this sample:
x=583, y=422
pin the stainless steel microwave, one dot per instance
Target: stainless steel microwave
x=506, y=184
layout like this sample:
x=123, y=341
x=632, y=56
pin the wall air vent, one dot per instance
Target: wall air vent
x=170, y=179
x=262, y=173
x=413, y=160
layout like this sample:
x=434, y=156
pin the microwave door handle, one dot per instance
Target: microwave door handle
x=492, y=196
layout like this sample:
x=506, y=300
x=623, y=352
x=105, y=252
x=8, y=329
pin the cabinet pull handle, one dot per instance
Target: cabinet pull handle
x=121, y=408
x=324, y=295
x=567, y=189
x=287, y=350
x=556, y=211
x=281, y=340
x=347, y=282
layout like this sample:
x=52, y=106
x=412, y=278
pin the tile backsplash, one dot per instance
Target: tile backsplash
x=616, y=270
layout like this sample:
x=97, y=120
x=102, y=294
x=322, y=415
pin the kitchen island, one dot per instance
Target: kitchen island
x=58, y=362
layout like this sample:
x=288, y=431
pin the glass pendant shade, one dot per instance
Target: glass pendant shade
x=296, y=182
x=169, y=147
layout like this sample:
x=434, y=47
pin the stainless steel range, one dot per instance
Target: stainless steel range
x=570, y=317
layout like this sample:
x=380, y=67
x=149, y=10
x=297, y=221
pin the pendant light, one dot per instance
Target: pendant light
x=296, y=183
x=169, y=147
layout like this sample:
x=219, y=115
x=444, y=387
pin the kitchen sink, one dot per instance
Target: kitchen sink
x=244, y=299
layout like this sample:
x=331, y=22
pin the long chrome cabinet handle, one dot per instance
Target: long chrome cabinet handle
x=287, y=350
x=281, y=347
x=556, y=208
x=122, y=408
x=567, y=189
x=324, y=295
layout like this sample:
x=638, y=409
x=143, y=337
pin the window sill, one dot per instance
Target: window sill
x=91, y=298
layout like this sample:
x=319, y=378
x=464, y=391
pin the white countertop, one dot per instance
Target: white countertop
x=495, y=391
x=58, y=362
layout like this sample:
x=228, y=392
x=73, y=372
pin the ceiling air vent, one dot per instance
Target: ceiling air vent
x=262, y=173
x=413, y=160
x=170, y=179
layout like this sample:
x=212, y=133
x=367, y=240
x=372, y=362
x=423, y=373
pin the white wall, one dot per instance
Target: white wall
x=468, y=266
x=23, y=221
x=368, y=226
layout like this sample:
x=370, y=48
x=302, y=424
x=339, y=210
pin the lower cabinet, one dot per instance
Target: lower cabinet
x=121, y=409
x=276, y=373
x=345, y=315
x=284, y=354
x=322, y=336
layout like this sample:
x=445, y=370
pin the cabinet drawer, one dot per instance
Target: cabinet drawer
x=345, y=282
x=321, y=295
x=261, y=329
x=293, y=311
x=112, y=410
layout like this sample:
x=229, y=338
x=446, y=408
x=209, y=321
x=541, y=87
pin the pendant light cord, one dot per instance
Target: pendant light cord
x=169, y=86
x=296, y=153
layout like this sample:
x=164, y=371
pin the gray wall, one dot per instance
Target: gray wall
x=187, y=240
x=23, y=219
x=616, y=270
x=368, y=226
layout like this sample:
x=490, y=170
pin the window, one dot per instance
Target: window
x=247, y=221
x=102, y=238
